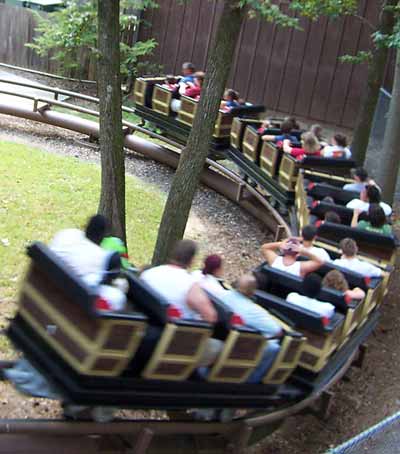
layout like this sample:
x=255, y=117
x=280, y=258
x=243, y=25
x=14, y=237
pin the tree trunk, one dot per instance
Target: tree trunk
x=390, y=153
x=186, y=179
x=376, y=72
x=112, y=199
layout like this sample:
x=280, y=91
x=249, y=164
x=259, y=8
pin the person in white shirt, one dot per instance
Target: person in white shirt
x=338, y=149
x=210, y=276
x=370, y=194
x=94, y=265
x=291, y=249
x=350, y=261
x=310, y=290
x=254, y=316
x=179, y=287
x=309, y=234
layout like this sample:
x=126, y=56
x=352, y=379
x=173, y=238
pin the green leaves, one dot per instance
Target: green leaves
x=331, y=8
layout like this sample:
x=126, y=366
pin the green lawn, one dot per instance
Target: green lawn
x=41, y=193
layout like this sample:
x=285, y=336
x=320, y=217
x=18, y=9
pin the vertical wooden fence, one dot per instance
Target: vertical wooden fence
x=290, y=71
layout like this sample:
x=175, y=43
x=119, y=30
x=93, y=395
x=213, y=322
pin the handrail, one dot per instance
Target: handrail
x=41, y=73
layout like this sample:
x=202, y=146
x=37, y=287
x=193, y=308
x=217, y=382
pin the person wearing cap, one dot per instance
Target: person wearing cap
x=360, y=176
x=210, y=277
x=291, y=249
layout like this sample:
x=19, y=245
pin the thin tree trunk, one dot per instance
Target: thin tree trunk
x=391, y=154
x=112, y=199
x=186, y=179
x=376, y=72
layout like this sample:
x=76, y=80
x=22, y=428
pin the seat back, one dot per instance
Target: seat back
x=319, y=209
x=269, y=158
x=188, y=110
x=320, y=190
x=237, y=130
x=251, y=143
x=302, y=211
x=161, y=100
x=336, y=166
x=288, y=171
x=223, y=124
x=60, y=308
x=377, y=248
x=143, y=90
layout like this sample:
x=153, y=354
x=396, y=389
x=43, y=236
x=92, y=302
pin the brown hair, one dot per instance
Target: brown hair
x=183, y=253
x=348, y=247
x=310, y=142
x=341, y=140
x=335, y=279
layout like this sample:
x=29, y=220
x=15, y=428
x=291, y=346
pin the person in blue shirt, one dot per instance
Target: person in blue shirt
x=254, y=316
x=187, y=79
x=286, y=129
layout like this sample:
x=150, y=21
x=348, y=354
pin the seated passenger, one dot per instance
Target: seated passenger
x=193, y=90
x=350, y=261
x=360, y=176
x=309, y=233
x=254, y=316
x=188, y=71
x=338, y=149
x=336, y=280
x=177, y=285
x=170, y=83
x=310, y=146
x=332, y=216
x=94, y=265
x=370, y=194
x=115, y=244
x=291, y=249
x=230, y=100
x=376, y=220
x=210, y=276
x=317, y=131
x=286, y=128
x=311, y=289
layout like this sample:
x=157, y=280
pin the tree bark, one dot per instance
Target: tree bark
x=390, y=153
x=112, y=198
x=191, y=163
x=376, y=72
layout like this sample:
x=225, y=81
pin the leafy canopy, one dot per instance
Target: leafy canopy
x=73, y=28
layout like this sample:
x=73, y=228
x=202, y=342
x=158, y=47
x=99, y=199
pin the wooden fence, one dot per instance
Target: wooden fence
x=290, y=71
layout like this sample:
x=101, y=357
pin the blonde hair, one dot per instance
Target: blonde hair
x=335, y=279
x=310, y=142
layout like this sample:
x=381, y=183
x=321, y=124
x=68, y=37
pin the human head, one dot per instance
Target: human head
x=183, y=253
x=312, y=285
x=199, y=78
x=188, y=68
x=349, y=247
x=170, y=79
x=293, y=122
x=376, y=215
x=291, y=247
x=335, y=279
x=310, y=142
x=331, y=216
x=247, y=285
x=309, y=233
x=213, y=265
x=360, y=174
x=97, y=228
x=340, y=140
x=372, y=193
x=231, y=95
x=286, y=127
x=316, y=130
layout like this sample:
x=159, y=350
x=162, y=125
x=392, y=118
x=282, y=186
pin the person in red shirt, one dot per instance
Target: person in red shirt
x=310, y=146
x=194, y=90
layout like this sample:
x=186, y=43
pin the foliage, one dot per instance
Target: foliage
x=72, y=29
x=361, y=57
x=331, y=8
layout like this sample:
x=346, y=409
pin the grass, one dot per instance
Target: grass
x=42, y=193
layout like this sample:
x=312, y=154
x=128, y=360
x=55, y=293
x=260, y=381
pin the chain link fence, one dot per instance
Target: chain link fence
x=383, y=438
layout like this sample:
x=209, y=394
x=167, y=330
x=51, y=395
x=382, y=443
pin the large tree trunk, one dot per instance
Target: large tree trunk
x=391, y=154
x=376, y=72
x=186, y=179
x=112, y=199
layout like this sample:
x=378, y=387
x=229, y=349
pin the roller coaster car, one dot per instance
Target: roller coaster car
x=153, y=103
x=320, y=190
x=141, y=358
x=319, y=208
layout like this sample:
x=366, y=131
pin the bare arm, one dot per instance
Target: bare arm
x=354, y=219
x=356, y=294
x=199, y=302
x=268, y=137
x=268, y=251
x=310, y=265
x=286, y=146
